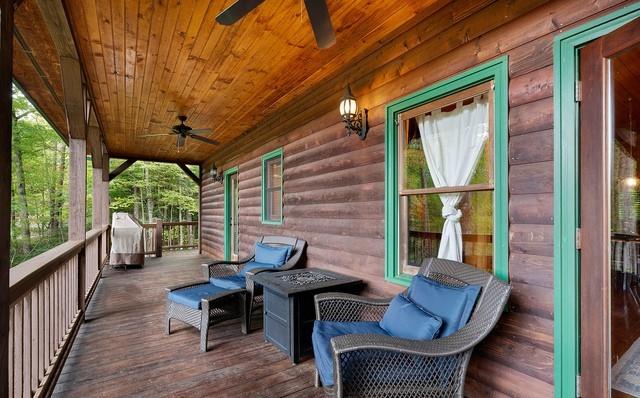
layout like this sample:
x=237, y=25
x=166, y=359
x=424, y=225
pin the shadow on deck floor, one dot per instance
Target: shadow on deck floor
x=122, y=351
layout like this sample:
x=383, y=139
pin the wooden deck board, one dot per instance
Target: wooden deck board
x=121, y=350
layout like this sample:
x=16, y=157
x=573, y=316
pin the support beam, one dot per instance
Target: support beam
x=189, y=173
x=125, y=165
x=77, y=188
x=97, y=199
x=94, y=139
x=105, y=183
x=6, y=64
x=74, y=95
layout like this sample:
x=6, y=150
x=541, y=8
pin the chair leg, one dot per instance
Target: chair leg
x=316, y=379
x=167, y=328
x=244, y=317
x=248, y=311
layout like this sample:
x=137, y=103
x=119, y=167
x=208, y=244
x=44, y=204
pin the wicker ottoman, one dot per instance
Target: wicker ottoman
x=201, y=304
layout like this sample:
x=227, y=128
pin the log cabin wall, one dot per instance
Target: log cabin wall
x=334, y=185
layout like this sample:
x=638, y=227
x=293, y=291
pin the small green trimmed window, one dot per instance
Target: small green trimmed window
x=446, y=180
x=272, y=187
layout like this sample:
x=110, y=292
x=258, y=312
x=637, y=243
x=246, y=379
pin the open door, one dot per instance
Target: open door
x=609, y=236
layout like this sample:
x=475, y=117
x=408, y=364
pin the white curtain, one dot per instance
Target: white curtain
x=452, y=144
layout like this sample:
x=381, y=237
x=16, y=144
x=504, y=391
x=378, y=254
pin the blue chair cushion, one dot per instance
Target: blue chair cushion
x=230, y=282
x=405, y=319
x=324, y=331
x=251, y=265
x=452, y=304
x=191, y=296
x=276, y=255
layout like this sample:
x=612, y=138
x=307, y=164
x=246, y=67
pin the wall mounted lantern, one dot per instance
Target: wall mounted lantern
x=354, y=122
x=215, y=175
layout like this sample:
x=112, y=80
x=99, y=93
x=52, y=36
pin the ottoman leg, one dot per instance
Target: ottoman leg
x=244, y=317
x=167, y=328
x=204, y=326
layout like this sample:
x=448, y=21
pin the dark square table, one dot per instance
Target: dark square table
x=289, y=308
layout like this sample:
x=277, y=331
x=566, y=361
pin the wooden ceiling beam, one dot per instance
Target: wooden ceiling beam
x=55, y=18
x=125, y=165
x=95, y=140
x=190, y=174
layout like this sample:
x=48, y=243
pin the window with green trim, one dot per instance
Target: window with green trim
x=272, y=187
x=446, y=176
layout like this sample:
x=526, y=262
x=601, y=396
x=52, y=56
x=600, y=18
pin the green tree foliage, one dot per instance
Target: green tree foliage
x=39, y=207
x=39, y=183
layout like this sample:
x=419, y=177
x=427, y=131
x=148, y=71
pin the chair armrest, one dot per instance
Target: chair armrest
x=343, y=307
x=256, y=271
x=458, y=342
x=222, y=268
x=184, y=285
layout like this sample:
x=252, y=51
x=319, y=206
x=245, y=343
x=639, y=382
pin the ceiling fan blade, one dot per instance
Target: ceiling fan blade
x=154, y=135
x=236, y=11
x=204, y=139
x=200, y=131
x=321, y=22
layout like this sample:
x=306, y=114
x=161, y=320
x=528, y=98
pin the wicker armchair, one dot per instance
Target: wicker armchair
x=221, y=269
x=371, y=365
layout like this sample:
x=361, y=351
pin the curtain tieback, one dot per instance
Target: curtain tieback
x=451, y=213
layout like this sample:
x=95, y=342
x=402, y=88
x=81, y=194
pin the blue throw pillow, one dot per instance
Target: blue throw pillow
x=452, y=304
x=405, y=319
x=276, y=255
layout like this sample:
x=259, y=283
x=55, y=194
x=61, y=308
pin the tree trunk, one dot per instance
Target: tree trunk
x=136, y=203
x=150, y=202
x=23, y=208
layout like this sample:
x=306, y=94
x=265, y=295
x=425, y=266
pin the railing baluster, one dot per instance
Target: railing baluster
x=26, y=346
x=12, y=332
x=19, y=363
x=41, y=332
x=35, y=337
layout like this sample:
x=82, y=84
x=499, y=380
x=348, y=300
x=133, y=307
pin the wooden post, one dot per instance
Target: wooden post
x=105, y=184
x=6, y=74
x=97, y=199
x=78, y=204
x=158, y=238
x=200, y=169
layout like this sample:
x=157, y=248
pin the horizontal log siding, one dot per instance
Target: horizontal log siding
x=334, y=185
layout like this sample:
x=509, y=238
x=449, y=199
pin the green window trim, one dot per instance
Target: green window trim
x=227, y=211
x=277, y=153
x=566, y=201
x=496, y=70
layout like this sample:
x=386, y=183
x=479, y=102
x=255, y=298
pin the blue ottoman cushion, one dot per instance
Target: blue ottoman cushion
x=191, y=296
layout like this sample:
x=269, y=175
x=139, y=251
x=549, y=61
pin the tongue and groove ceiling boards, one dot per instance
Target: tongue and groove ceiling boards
x=149, y=61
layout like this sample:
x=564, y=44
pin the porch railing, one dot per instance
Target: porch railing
x=48, y=295
x=170, y=236
x=477, y=248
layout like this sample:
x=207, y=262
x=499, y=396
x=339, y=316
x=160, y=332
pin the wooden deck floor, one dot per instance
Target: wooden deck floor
x=122, y=351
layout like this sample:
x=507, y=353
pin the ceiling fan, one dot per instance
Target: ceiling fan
x=316, y=9
x=182, y=131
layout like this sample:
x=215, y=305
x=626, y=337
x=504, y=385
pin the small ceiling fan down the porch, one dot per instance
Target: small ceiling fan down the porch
x=316, y=9
x=182, y=131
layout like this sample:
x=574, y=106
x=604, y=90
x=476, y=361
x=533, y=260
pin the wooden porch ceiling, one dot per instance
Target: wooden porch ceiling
x=148, y=61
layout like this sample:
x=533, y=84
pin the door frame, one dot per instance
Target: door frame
x=227, y=211
x=566, y=204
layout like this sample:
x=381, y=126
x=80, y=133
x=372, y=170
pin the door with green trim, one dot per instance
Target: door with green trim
x=609, y=238
x=232, y=235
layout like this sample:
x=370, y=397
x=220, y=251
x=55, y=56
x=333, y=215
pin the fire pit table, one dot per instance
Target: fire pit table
x=289, y=306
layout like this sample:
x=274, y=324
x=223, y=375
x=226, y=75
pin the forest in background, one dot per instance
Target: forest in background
x=39, y=190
